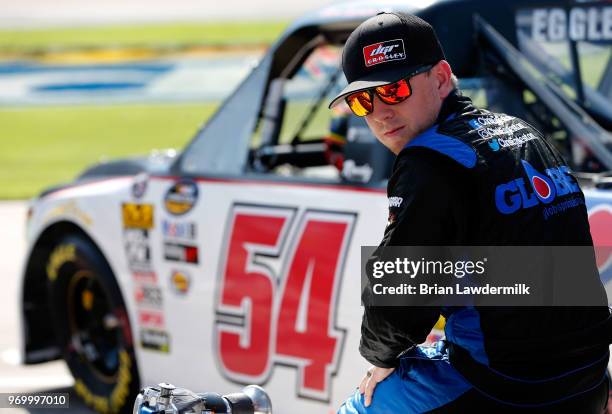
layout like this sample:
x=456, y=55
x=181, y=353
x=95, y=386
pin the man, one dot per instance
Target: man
x=452, y=186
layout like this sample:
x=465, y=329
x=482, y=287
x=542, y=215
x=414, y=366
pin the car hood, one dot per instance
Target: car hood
x=158, y=162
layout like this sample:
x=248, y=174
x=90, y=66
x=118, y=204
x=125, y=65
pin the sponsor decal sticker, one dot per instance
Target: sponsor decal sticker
x=137, y=248
x=382, y=52
x=395, y=201
x=600, y=219
x=154, y=319
x=137, y=221
x=181, y=197
x=179, y=230
x=155, y=340
x=180, y=281
x=178, y=252
x=139, y=186
x=150, y=296
x=137, y=216
x=538, y=188
x=145, y=277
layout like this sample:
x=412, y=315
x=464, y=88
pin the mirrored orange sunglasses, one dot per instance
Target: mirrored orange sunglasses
x=362, y=103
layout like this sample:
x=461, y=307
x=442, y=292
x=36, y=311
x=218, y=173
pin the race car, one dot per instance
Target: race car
x=237, y=259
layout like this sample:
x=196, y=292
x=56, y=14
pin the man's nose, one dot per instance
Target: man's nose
x=381, y=111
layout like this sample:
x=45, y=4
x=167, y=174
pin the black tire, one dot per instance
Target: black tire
x=92, y=326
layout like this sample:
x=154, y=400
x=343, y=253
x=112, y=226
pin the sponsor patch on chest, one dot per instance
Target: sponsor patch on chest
x=395, y=201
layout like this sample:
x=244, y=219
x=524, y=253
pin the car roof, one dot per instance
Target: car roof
x=453, y=21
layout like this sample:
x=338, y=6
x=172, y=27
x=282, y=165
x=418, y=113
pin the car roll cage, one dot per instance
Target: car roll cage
x=579, y=123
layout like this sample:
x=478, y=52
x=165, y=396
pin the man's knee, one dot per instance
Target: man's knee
x=387, y=398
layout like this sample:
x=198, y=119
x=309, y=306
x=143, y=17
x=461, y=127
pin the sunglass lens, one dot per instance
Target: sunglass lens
x=394, y=92
x=360, y=103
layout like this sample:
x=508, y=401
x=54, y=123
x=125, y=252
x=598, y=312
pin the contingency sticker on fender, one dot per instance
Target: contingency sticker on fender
x=137, y=216
x=155, y=340
x=180, y=281
x=181, y=197
x=178, y=252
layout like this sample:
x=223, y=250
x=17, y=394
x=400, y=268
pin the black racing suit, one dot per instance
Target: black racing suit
x=456, y=184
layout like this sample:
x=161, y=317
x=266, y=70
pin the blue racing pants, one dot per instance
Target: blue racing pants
x=423, y=381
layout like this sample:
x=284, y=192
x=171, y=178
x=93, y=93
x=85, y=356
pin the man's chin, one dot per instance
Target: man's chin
x=396, y=149
x=396, y=144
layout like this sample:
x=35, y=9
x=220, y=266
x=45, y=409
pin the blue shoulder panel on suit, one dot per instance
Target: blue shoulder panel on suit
x=450, y=146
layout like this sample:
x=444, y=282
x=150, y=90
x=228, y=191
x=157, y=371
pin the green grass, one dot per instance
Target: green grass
x=150, y=35
x=40, y=147
x=43, y=146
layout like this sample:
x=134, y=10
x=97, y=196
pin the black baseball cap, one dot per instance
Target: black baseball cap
x=386, y=48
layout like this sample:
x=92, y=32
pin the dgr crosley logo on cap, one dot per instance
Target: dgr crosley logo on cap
x=375, y=53
x=382, y=52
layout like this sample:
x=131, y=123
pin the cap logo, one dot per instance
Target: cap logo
x=382, y=52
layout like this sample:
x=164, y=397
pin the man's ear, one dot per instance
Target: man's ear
x=443, y=73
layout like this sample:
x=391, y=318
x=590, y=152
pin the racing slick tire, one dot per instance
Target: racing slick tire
x=92, y=326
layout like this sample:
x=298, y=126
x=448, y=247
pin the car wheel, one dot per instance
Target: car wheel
x=92, y=326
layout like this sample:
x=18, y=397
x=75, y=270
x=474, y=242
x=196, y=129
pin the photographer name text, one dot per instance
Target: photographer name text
x=435, y=289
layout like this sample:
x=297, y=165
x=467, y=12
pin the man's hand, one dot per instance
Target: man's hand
x=371, y=379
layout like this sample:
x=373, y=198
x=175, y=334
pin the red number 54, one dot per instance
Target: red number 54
x=277, y=295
